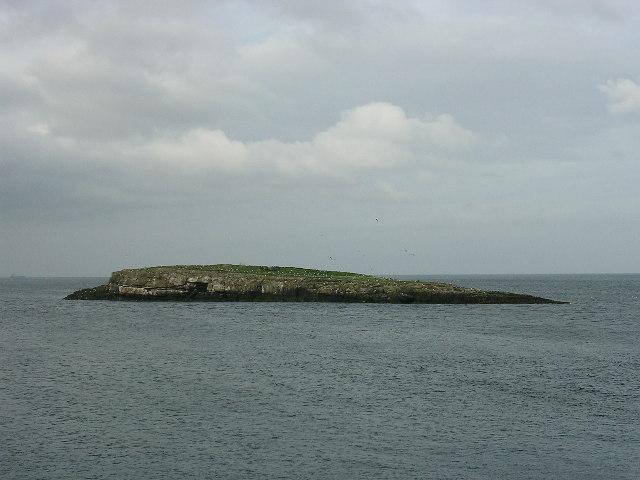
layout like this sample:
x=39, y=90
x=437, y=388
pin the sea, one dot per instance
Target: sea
x=127, y=390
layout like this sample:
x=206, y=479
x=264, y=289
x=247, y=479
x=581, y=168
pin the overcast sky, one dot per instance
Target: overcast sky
x=387, y=137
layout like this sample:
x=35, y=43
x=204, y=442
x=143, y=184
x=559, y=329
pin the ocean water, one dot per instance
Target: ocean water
x=109, y=390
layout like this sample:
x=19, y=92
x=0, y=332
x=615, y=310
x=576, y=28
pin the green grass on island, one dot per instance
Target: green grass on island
x=273, y=271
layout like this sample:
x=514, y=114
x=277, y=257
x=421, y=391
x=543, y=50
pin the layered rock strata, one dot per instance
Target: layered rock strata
x=282, y=284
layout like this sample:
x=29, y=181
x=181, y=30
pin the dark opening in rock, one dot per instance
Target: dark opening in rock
x=200, y=286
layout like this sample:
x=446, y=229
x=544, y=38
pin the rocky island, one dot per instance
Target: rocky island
x=233, y=283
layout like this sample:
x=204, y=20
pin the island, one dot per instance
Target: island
x=249, y=283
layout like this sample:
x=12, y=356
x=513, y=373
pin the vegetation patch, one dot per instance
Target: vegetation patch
x=272, y=271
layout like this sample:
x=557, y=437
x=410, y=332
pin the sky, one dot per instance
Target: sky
x=382, y=137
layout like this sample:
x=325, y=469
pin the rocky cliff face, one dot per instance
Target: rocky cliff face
x=235, y=283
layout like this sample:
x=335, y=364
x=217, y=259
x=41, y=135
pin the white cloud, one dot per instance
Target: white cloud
x=625, y=95
x=379, y=135
x=196, y=152
x=373, y=137
x=373, y=151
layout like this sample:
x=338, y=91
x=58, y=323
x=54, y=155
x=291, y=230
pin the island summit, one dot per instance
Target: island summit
x=247, y=283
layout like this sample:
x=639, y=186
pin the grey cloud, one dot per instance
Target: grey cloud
x=456, y=123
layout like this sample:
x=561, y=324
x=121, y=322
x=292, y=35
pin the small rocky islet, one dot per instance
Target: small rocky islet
x=248, y=283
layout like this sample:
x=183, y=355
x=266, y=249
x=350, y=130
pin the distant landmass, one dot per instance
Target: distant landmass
x=250, y=283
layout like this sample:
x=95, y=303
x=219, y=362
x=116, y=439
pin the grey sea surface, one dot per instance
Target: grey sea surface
x=123, y=390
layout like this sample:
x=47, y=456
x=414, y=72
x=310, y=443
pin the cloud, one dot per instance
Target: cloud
x=356, y=155
x=160, y=111
x=196, y=152
x=373, y=137
x=380, y=135
x=625, y=95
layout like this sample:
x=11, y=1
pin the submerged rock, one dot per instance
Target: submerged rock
x=282, y=284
